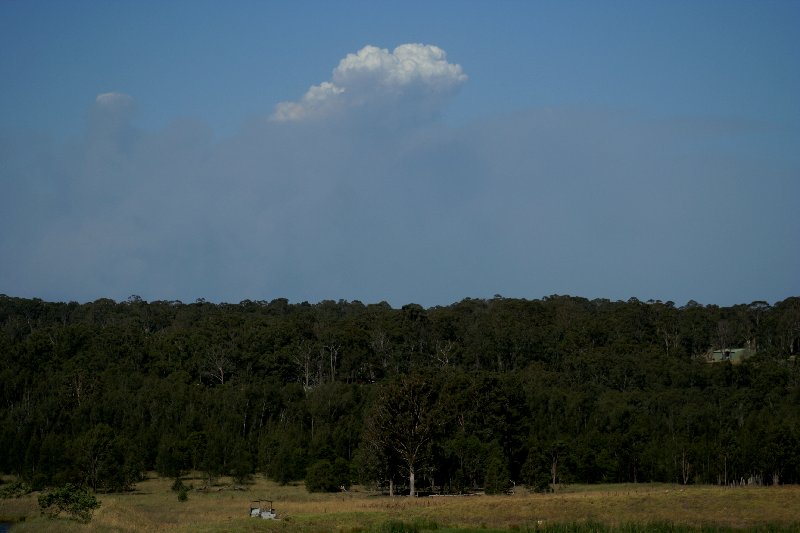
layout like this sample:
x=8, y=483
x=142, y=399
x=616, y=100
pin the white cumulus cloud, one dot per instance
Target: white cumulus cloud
x=415, y=74
x=317, y=101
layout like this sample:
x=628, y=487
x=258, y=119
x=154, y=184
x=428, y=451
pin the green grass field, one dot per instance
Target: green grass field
x=600, y=508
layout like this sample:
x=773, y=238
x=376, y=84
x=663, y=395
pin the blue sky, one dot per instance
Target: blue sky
x=409, y=152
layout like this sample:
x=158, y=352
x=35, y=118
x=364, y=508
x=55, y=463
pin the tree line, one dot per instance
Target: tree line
x=483, y=393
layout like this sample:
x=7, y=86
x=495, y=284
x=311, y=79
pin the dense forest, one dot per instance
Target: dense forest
x=483, y=393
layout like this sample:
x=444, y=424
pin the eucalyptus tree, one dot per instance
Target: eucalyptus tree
x=403, y=422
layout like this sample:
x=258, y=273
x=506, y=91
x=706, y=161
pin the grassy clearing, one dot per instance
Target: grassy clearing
x=604, y=508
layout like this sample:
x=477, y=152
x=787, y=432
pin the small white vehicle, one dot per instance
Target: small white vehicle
x=262, y=509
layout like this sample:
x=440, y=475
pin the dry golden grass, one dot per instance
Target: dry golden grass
x=154, y=507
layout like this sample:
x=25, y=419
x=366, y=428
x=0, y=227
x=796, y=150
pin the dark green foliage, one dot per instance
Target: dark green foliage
x=172, y=458
x=535, y=473
x=321, y=477
x=468, y=456
x=542, y=392
x=15, y=489
x=75, y=501
x=404, y=421
x=343, y=473
x=215, y=456
x=181, y=489
x=287, y=459
x=106, y=461
x=324, y=476
x=240, y=467
x=177, y=485
x=368, y=466
x=497, y=480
